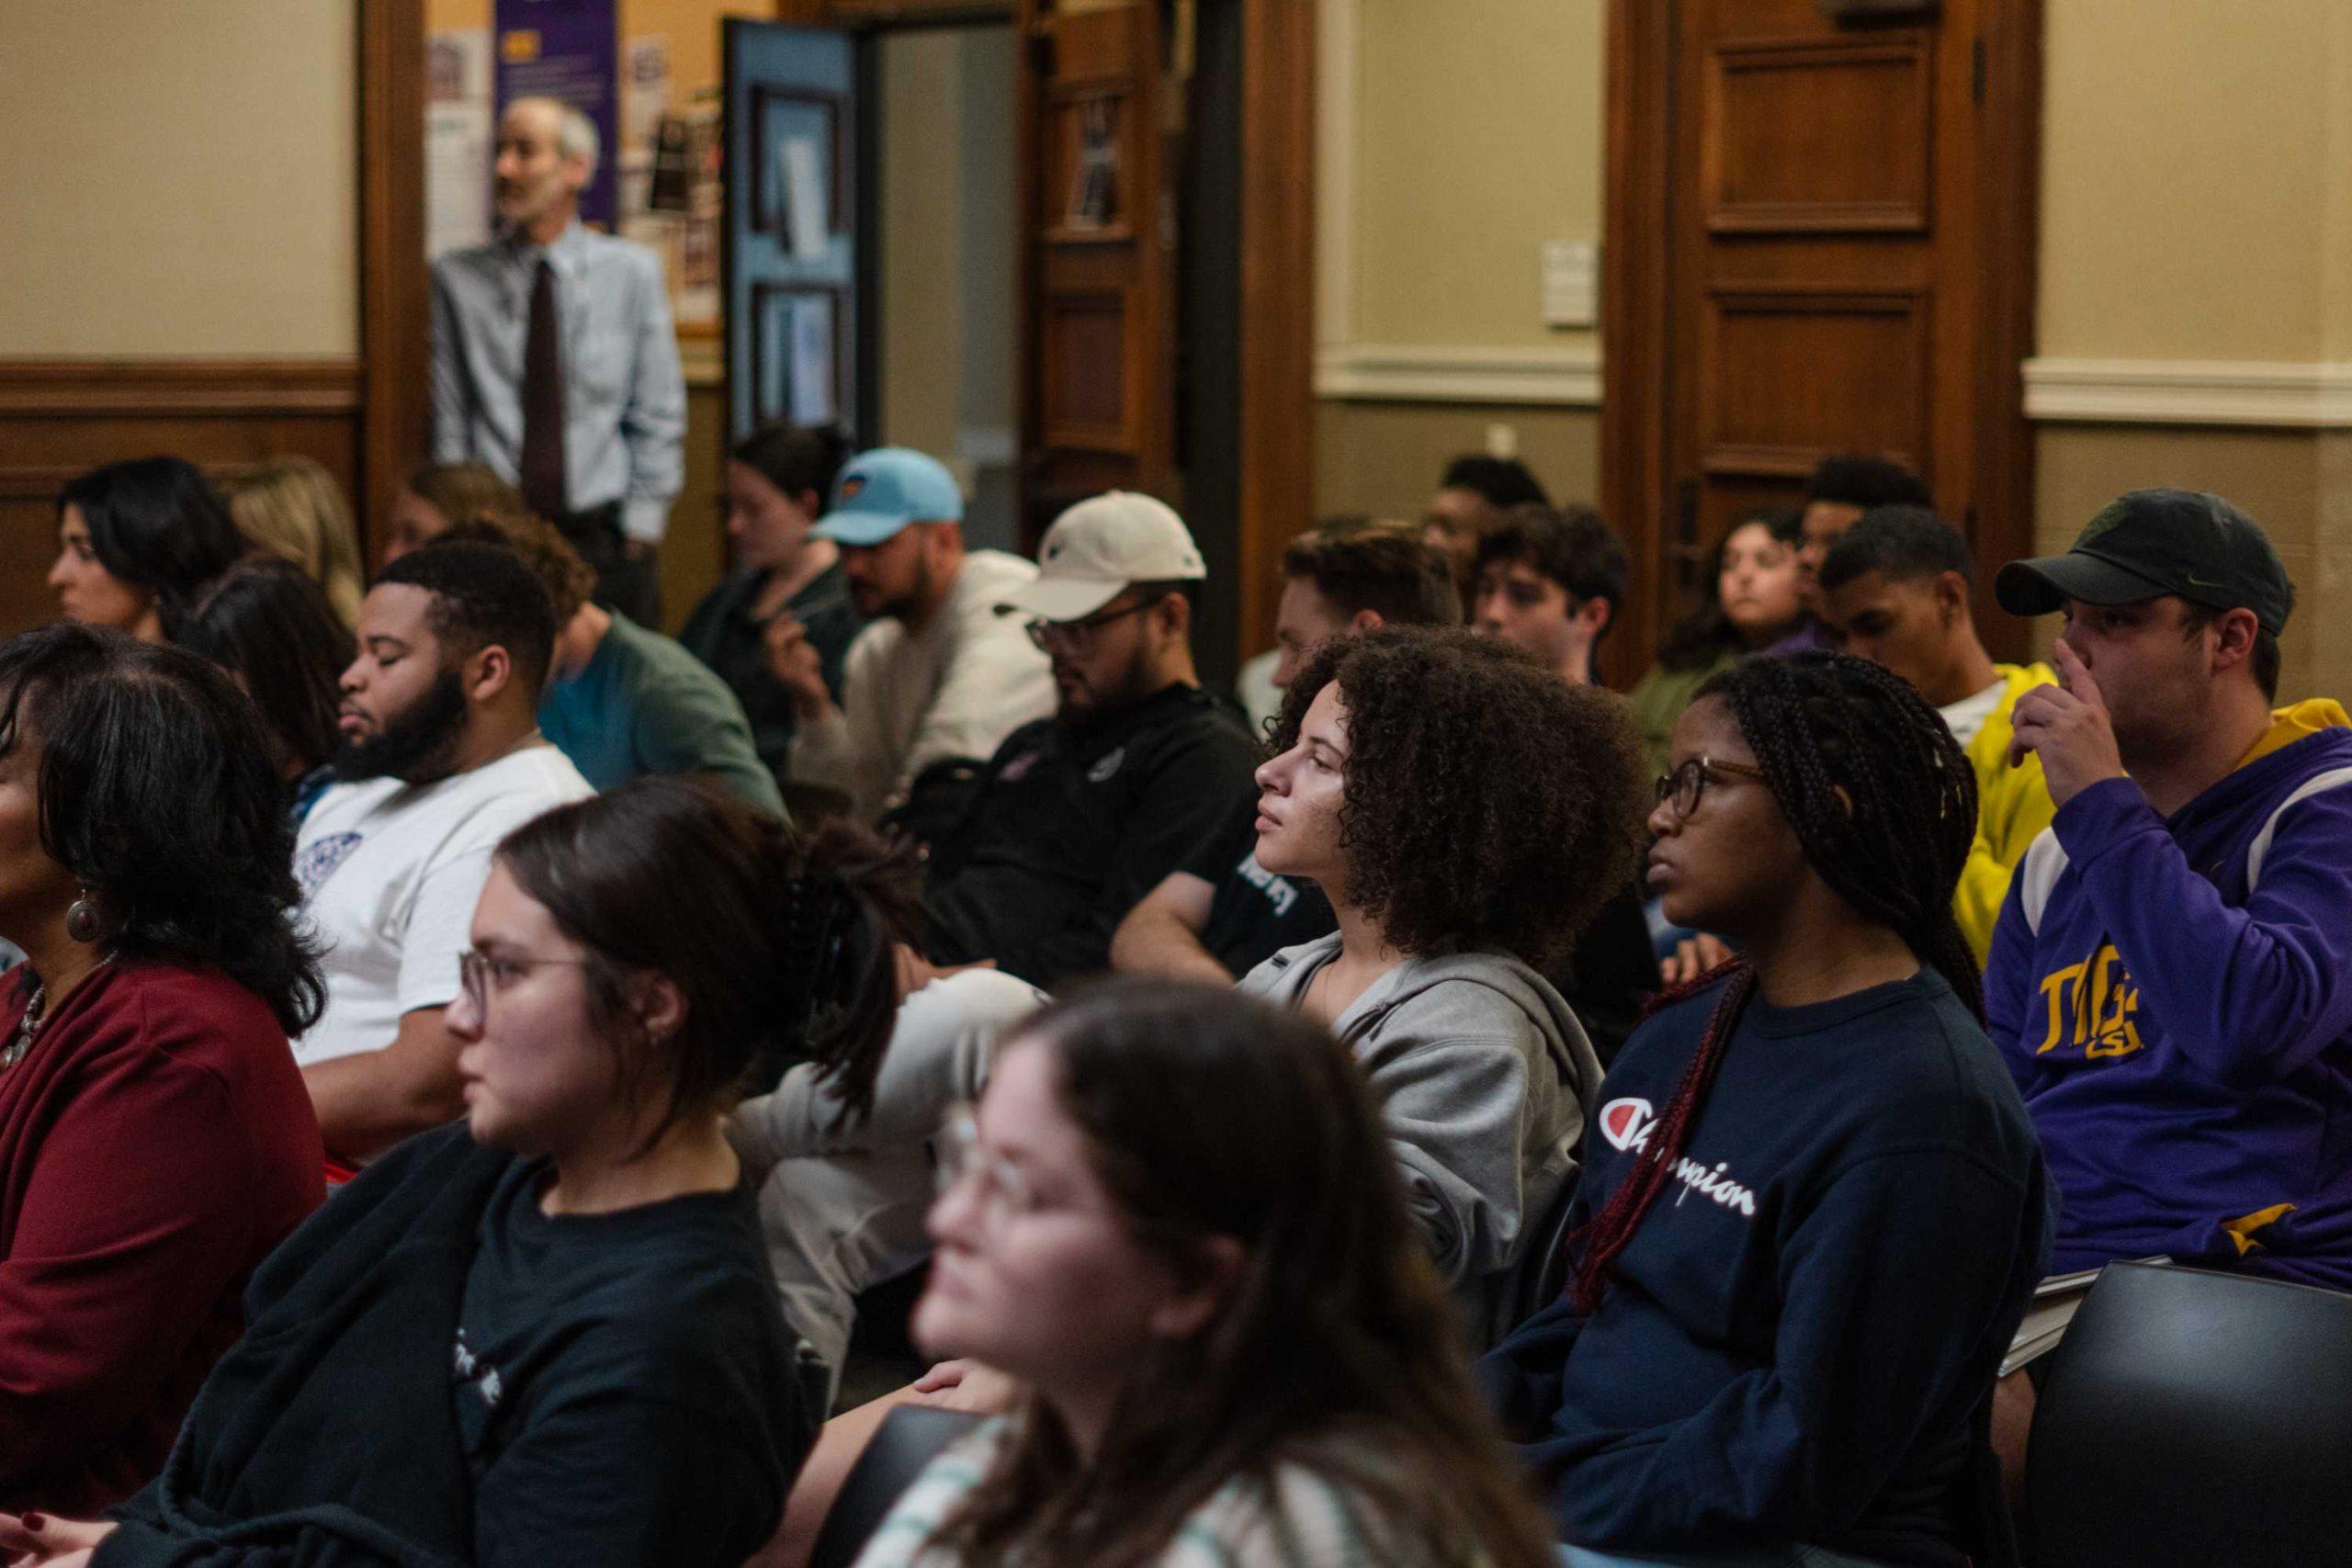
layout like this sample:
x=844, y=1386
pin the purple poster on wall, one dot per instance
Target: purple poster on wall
x=566, y=50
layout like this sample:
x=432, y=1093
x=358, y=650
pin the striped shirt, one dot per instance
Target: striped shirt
x=1300, y=1520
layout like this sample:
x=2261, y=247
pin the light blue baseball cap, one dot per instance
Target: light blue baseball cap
x=880, y=492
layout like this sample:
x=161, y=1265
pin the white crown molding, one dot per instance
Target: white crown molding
x=2274, y=394
x=1450, y=373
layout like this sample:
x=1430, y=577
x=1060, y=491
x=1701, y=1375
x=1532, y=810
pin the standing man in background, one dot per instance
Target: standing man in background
x=555, y=363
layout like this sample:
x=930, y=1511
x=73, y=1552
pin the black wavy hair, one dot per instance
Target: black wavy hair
x=155, y=522
x=1570, y=545
x=1853, y=479
x=1488, y=802
x=484, y=594
x=268, y=622
x=1505, y=482
x=1884, y=802
x=782, y=944
x=158, y=793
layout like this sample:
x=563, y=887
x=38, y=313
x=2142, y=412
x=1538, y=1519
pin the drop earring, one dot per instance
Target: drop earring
x=82, y=919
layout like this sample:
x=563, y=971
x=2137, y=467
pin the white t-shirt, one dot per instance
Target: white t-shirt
x=389, y=875
x=1966, y=718
x=954, y=689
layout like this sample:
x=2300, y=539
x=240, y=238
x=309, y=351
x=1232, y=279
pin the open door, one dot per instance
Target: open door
x=790, y=258
x=1097, y=258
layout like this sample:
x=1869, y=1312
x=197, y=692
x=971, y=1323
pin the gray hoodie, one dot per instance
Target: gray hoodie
x=1484, y=1078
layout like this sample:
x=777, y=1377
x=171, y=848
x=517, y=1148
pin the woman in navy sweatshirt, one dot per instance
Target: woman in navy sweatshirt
x=1814, y=1207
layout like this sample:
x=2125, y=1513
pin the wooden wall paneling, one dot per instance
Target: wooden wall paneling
x=229, y=417
x=1771, y=108
x=1277, y=302
x=394, y=311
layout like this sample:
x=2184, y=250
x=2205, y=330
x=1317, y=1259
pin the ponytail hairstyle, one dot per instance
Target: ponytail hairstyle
x=796, y=458
x=781, y=943
x=1884, y=802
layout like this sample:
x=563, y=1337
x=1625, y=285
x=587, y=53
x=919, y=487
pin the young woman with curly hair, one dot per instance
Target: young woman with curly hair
x=1814, y=1207
x=1174, y=1218
x=1467, y=812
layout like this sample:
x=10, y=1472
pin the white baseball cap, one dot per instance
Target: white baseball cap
x=1102, y=545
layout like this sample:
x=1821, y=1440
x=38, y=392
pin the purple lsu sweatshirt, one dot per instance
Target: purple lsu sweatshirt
x=2183, y=1039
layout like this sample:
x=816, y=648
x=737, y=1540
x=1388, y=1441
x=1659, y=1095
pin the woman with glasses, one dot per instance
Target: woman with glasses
x=546, y=1334
x=1813, y=1207
x=1467, y=813
x=1174, y=1218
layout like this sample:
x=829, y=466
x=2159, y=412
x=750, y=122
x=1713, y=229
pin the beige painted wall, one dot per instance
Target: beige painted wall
x=1385, y=459
x=180, y=178
x=922, y=349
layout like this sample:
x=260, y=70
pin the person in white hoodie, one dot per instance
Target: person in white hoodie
x=1467, y=814
x=937, y=675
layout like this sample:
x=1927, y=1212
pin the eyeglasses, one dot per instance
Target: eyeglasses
x=1688, y=784
x=1078, y=635
x=1002, y=1191
x=480, y=973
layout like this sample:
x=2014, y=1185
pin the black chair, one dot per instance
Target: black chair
x=2195, y=1417
x=908, y=1438
x=1542, y=1274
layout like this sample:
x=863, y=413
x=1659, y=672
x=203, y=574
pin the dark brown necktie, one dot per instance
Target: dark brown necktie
x=542, y=463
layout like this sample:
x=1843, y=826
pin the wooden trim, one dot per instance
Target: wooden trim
x=2009, y=216
x=395, y=339
x=111, y=389
x=1638, y=116
x=1277, y=392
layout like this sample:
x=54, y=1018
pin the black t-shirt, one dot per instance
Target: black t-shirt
x=1072, y=824
x=1253, y=913
x=625, y=1384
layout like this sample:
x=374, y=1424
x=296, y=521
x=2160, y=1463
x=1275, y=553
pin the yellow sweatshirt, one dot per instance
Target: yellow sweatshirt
x=2013, y=806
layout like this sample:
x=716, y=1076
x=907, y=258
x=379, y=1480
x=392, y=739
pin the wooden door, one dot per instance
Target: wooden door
x=1820, y=241
x=1097, y=256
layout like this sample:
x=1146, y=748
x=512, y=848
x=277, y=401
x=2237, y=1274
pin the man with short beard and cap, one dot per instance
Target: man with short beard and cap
x=555, y=361
x=2171, y=976
x=1079, y=816
x=442, y=757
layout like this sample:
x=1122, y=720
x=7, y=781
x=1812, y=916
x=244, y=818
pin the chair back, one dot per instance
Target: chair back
x=2191, y=1416
x=908, y=1438
x=1543, y=1272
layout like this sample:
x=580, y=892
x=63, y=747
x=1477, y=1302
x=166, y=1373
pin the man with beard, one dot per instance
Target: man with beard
x=937, y=675
x=555, y=362
x=442, y=757
x=1080, y=815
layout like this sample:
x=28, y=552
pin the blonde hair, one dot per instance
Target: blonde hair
x=294, y=509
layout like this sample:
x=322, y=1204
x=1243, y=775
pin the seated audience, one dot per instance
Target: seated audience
x=778, y=480
x=544, y=1334
x=135, y=537
x=442, y=757
x=1812, y=1209
x=1749, y=603
x=1076, y=816
x=1471, y=500
x=439, y=496
x=1221, y=914
x=2171, y=978
x=1173, y=1218
x=1466, y=814
x=269, y=626
x=1551, y=582
x=622, y=701
x=155, y=1142
x=1895, y=589
x=295, y=510
x=1839, y=492
x=937, y=675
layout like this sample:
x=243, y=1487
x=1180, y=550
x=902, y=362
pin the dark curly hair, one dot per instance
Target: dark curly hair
x=1488, y=802
x=159, y=794
x=1884, y=802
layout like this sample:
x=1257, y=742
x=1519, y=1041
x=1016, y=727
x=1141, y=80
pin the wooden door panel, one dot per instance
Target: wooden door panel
x=1779, y=155
x=1788, y=379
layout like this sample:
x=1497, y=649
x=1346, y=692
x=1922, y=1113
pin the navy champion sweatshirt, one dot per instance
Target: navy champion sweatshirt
x=1791, y=1346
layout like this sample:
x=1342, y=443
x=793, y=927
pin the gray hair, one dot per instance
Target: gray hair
x=575, y=135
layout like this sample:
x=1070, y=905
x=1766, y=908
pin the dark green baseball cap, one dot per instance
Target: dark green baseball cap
x=2152, y=543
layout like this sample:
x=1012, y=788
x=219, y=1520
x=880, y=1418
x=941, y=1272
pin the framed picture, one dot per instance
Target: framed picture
x=798, y=180
x=797, y=354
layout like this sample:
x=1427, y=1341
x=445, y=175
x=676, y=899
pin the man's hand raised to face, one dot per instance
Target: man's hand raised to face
x=2067, y=727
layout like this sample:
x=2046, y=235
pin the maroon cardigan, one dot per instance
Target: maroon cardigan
x=155, y=1143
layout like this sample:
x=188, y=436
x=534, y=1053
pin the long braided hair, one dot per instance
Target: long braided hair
x=1884, y=802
